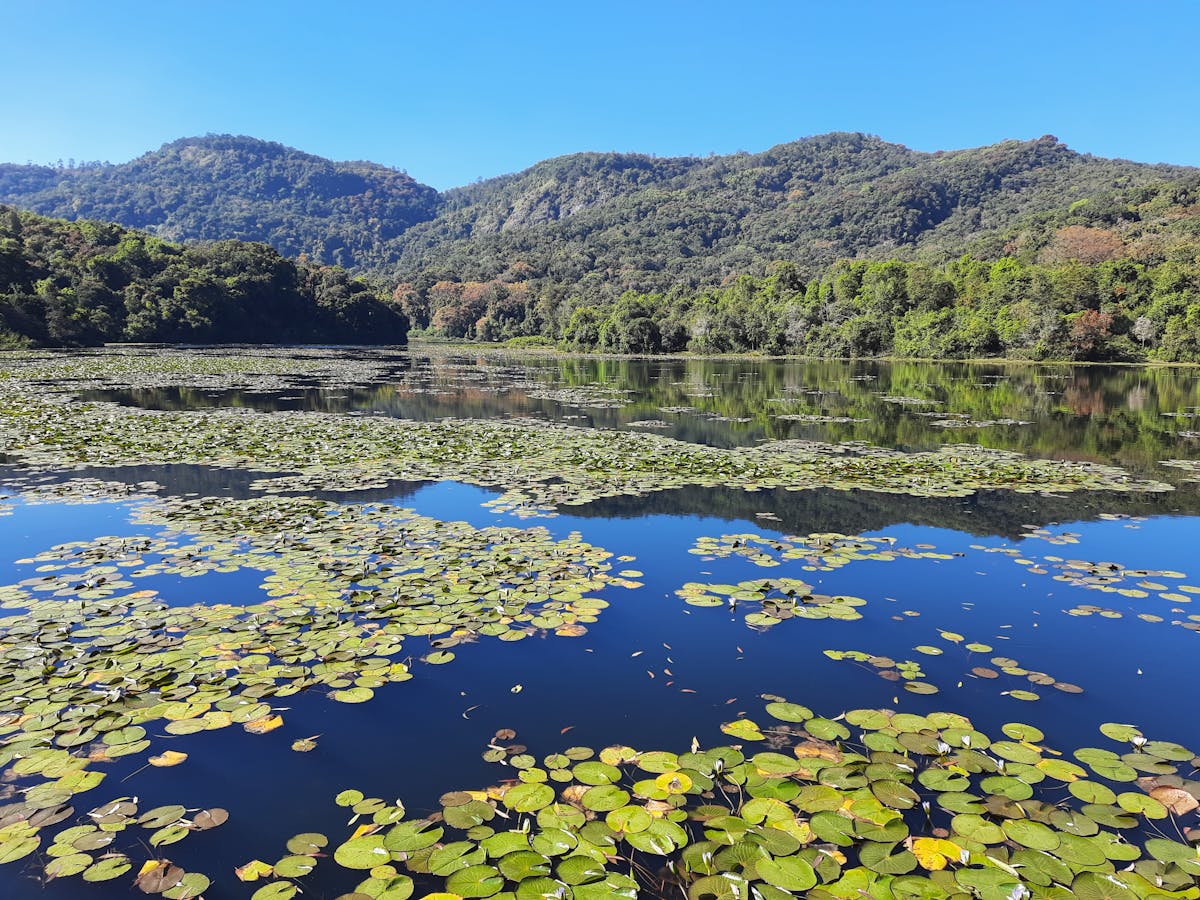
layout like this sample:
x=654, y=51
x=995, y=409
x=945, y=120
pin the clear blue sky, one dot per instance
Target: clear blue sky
x=456, y=91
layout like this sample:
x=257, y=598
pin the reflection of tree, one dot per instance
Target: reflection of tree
x=1084, y=401
x=1100, y=413
x=1001, y=513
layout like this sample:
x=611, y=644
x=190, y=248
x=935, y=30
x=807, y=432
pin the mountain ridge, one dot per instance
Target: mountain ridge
x=221, y=187
x=609, y=221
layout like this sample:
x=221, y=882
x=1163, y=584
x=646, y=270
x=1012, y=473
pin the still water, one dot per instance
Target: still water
x=653, y=671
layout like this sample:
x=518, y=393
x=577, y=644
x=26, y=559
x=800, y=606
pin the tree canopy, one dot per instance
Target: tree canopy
x=77, y=283
x=1113, y=280
x=840, y=244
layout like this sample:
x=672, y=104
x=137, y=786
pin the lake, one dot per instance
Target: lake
x=401, y=623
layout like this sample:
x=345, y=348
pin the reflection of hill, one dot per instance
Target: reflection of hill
x=1000, y=513
x=213, y=481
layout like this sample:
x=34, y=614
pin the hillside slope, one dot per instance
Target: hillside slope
x=652, y=224
x=225, y=187
x=596, y=223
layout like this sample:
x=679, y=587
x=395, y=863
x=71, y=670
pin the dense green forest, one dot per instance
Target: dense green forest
x=606, y=223
x=836, y=245
x=77, y=283
x=594, y=223
x=225, y=187
x=1117, y=279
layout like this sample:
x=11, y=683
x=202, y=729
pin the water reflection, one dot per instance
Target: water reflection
x=1000, y=513
x=652, y=671
x=1129, y=416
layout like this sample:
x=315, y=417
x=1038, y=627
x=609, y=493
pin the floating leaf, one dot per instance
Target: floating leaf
x=1178, y=801
x=790, y=873
x=787, y=712
x=253, y=870
x=475, y=881
x=157, y=876
x=168, y=758
x=362, y=852
x=352, y=695
x=1023, y=695
x=1033, y=835
x=629, y=819
x=107, y=868
x=307, y=844
x=276, y=890
x=1120, y=732
x=264, y=724
x=190, y=887
x=528, y=797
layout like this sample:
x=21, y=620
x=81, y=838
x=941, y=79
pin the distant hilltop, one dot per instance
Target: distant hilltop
x=624, y=220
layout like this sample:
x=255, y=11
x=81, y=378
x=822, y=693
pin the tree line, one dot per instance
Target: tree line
x=1117, y=309
x=1108, y=277
x=83, y=283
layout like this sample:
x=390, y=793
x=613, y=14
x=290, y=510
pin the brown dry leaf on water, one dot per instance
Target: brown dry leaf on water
x=1177, y=800
x=209, y=818
x=158, y=875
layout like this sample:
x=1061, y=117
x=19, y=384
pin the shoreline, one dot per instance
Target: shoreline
x=555, y=352
x=974, y=360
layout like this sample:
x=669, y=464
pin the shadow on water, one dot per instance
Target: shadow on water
x=652, y=671
x=1002, y=513
x=185, y=479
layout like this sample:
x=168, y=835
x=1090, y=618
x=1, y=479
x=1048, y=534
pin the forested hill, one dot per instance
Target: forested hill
x=226, y=187
x=1113, y=278
x=594, y=223
x=841, y=244
x=614, y=221
x=77, y=283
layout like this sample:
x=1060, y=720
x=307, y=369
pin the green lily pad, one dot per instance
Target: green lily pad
x=789, y=874
x=475, y=881
x=362, y=853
